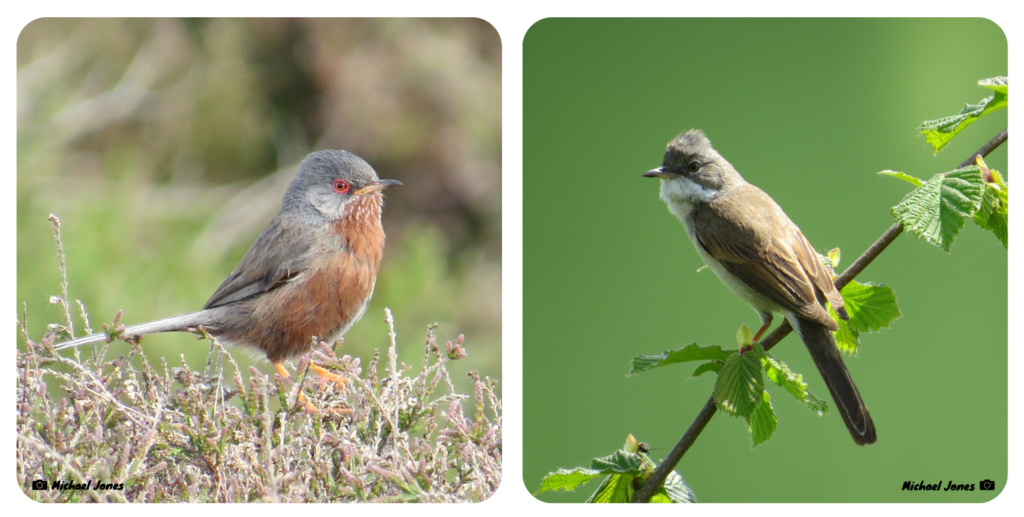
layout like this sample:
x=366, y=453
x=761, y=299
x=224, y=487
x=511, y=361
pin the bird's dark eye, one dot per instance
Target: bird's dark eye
x=693, y=166
x=341, y=186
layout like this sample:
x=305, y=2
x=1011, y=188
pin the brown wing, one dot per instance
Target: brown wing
x=766, y=251
x=819, y=275
x=279, y=254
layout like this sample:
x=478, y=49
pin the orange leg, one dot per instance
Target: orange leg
x=282, y=370
x=323, y=373
x=309, y=407
x=766, y=321
x=328, y=376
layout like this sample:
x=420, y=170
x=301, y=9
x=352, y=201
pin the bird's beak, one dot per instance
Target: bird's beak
x=660, y=173
x=375, y=187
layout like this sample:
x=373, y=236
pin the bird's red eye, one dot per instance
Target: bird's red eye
x=341, y=186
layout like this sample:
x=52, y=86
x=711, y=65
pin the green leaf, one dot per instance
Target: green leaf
x=936, y=210
x=616, y=488
x=661, y=496
x=779, y=373
x=740, y=383
x=621, y=462
x=939, y=132
x=568, y=480
x=903, y=176
x=691, y=352
x=632, y=446
x=744, y=337
x=993, y=215
x=827, y=262
x=847, y=337
x=870, y=307
x=676, y=490
x=999, y=84
x=624, y=472
x=762, y=422
x=713, y=366
x=833, y=257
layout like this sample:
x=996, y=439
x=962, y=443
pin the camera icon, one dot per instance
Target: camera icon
x=987, y=484
x=39, y=484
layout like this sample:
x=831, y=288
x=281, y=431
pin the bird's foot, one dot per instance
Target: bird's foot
x=308, y=406
x=311, y=409
x=327, y=375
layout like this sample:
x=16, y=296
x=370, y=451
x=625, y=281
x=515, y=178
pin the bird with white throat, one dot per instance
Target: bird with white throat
x=762, y=257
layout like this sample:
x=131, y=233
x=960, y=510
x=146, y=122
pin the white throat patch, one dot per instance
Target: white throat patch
x=680, y=194
x=683, y=189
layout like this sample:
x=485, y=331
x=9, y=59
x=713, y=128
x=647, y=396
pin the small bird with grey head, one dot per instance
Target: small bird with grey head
x=762, y=257
x=311, y=272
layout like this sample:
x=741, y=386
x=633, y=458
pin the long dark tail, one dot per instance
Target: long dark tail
x=822, y=346
x=172, y=324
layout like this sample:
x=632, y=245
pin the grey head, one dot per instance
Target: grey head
x=693, y=169
x=328, y=181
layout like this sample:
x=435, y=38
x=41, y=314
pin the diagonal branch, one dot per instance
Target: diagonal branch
x=987, y=148
x=676, y=454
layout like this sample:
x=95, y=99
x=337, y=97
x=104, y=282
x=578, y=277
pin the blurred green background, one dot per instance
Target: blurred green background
x=165, y=147
x=809, y=110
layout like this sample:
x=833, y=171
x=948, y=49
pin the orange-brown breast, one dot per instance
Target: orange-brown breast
x=361, y=229
x=330, y=296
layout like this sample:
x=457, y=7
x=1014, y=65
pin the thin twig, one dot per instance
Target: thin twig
x=872, y=252
x=676, y=454
x=63, y=275
x=85, y=317
x=987, y=148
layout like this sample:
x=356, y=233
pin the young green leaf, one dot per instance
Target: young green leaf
x=762, y=422
x=917, y=182
x=674, y=490
x=847, y=337
x=936, y=210
x=677, y=490
x=691, y=352
x=779, y=373
x=828, y=263
x=740, y=383
x=568, y=480
x=631, y=446
x=616, y=488
x=660, y=497
x=620, y=461
x=997, y=84
x=833, y=256
x=625, y=471
x=994, y=211
x=744, y=337
x=939, y=132
x=870, y=307
x=713, y=366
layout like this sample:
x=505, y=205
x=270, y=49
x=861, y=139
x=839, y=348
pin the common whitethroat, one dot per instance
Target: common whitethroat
x=761, y=256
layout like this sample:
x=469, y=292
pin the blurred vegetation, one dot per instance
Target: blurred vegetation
x=165, y=146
